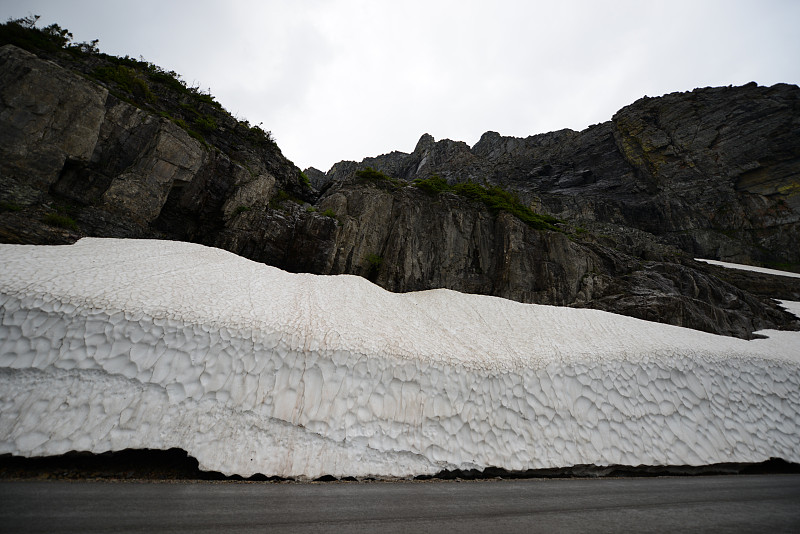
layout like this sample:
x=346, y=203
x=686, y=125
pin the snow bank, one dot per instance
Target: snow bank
x=111, y=344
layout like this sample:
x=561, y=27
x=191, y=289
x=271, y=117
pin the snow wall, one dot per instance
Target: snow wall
x=112, y=344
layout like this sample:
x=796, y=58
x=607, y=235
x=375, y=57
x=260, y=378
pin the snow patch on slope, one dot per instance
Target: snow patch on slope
x=752, y=268
x=111, y=344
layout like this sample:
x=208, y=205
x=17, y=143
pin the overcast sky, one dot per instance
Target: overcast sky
x=348, y=79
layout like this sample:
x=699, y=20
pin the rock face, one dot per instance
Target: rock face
x=71, y=147
x=638, y=196
x=713, y=172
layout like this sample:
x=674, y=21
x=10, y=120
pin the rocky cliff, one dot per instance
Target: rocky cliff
x=92, y=145
x=714, y=172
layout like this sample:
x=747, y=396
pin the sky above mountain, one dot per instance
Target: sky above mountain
x=348, y=79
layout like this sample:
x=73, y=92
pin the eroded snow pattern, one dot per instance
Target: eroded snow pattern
x=111, y=344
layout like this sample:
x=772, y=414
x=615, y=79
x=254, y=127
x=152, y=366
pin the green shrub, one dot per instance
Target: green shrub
x=205, y=98
x=311, y=209
x=376, y=177
x=433, y=185
x=257, y=135
x=169, y=79
x=189, y=109
x=371, y=175
x=281, y=196
x=329, y=213
x=24, y=34
x=127, y=79
x=373, y=264
x=241, y=209
x=193, y=133
x=197, y=135
x=206, y=123
x=304, y=181
x=61, y=221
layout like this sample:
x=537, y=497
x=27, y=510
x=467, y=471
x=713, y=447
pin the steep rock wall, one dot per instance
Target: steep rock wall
x=78, y=159
x=713, y=171
x=124, y=171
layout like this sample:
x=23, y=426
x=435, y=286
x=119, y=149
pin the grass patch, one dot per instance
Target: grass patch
x=241, y=209
x=282, y=196
x=61, y=221
x=127, y=79
x=193, y=133
x=206, y=123
x=304, y=181
x=370, y=175
x=493, y=197
x=433, y=185
x=197, y=136
x=373, y=264
x=257, y=135
x=329, y=213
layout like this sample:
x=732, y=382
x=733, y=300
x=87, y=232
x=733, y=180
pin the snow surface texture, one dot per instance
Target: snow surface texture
x=752, y=268
x=111, y=344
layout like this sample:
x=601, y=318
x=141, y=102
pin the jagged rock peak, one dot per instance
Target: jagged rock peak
x=316, y=177
x=426, y=142
x=487, y=143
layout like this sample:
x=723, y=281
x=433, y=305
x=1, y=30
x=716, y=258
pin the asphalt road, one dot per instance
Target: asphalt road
x=756, y=503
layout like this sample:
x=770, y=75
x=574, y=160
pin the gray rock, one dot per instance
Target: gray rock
x=710, y=173
x=43, y=128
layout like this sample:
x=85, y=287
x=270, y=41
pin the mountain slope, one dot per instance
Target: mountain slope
x=92, y=145
x=715, y=172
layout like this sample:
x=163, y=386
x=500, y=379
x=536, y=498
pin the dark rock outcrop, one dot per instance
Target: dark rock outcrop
x=713, y=172
x=69, y=145
x=84, y=158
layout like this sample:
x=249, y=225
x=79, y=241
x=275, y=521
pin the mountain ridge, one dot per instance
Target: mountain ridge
x=634, y=154
x=116, y=162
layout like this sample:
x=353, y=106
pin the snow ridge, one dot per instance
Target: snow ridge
x=111, y=344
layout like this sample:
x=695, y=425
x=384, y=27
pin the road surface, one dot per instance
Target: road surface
x=756, y=503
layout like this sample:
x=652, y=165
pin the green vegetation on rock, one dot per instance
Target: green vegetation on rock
x=282, y=196
x=23, y=33
x=61, y=221
x=304, y=181
x=493, y=197
x=373, y=264
x=370, y=175
x=126, y=79
x=135, y=81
